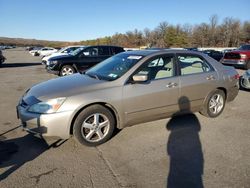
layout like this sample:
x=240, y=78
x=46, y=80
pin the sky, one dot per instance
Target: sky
x=76, y=20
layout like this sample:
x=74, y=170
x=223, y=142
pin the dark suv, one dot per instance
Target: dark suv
x=2, y=58
x=81, y=59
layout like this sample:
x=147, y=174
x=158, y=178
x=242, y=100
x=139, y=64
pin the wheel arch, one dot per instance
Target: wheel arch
x=67, y=63
x=106, y=105
x=224, y=90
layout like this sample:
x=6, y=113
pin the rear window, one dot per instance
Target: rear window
x=103, y=50
x=116, y=50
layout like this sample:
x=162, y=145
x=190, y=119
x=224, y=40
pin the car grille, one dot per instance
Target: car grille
x=232, y=56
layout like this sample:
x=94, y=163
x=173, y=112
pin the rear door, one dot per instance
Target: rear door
x=197, y=79
x=88, y=58
x=103, y=53
x=158, y=97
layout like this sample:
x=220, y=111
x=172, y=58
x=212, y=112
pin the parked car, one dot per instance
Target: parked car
x=227, y=50
x=2, y=58
x=126, y=89
x=34, y=51
x=217, y=55
x=46, y=51
x=81, y=59
x=63, y=51
x=192, y=49
x=238, y=58
x=245, y=80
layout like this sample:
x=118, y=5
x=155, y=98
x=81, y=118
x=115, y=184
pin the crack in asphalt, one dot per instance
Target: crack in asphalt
x=115, y=175
x=91, y=180
x=43, y=174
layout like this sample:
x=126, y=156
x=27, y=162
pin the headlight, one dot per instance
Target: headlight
x=243, y=56
x=47, y=107
x=52, y=62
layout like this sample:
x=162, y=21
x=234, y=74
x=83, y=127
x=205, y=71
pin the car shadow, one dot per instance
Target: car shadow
x=184, y=149
x=16, y=152
x=13, y=65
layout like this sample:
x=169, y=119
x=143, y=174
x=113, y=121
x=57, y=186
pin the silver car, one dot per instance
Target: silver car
x=129, y=88
x=245, y=80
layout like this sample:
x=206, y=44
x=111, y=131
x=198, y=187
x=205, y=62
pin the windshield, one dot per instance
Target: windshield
x=113, y=67
x=245, y=47
x=59, y=51
x=75, y=52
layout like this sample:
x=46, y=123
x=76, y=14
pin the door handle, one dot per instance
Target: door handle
x=210, y=77
x=171, y=84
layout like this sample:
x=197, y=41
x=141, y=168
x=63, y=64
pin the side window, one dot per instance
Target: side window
x=191, y=64
x=115, y=50
x=157, y=68
x=92, y=51
x=103, y=50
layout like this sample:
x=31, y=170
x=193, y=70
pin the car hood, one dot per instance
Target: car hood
x=60, y=57
x=64, y=87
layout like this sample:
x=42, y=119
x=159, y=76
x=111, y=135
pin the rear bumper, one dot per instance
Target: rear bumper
x=232, y=93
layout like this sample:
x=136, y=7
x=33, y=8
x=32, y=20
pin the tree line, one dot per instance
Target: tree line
x=230, y=32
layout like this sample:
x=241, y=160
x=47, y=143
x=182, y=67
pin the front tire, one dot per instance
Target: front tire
x=67, y=70
x=214, y=104
x=94, y=125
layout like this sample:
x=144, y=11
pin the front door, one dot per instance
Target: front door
x=158, y=97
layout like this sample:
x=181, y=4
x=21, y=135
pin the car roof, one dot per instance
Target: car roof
x=162, y=51
x=103, y=46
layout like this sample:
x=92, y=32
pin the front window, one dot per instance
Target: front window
x=90, y=52
x=114, y=67
x=75, y=52
x=158, y=68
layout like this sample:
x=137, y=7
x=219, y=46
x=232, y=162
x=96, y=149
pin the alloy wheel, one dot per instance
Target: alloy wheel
x=216, y=104
x=95, y=127
x=67, y=71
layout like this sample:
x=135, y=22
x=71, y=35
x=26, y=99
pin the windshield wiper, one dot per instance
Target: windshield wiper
x=93, y=76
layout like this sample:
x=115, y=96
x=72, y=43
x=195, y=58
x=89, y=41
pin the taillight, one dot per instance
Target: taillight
x=236, y=76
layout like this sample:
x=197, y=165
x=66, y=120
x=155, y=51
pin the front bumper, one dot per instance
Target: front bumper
x=52, y=71
x=237, y=63
x=52, y=125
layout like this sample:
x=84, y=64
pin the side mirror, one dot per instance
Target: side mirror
x=140, y=78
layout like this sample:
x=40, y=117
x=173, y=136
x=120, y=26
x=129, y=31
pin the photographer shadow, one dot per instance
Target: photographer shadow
x=184, y=149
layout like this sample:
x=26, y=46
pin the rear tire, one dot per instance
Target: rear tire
x=67, y=70
x=94, y=125
x=214, y=104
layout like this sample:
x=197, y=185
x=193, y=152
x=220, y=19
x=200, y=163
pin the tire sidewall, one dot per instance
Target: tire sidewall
x=85, y=114
x=69, y=66
x=242, y=86
x=209, y=113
